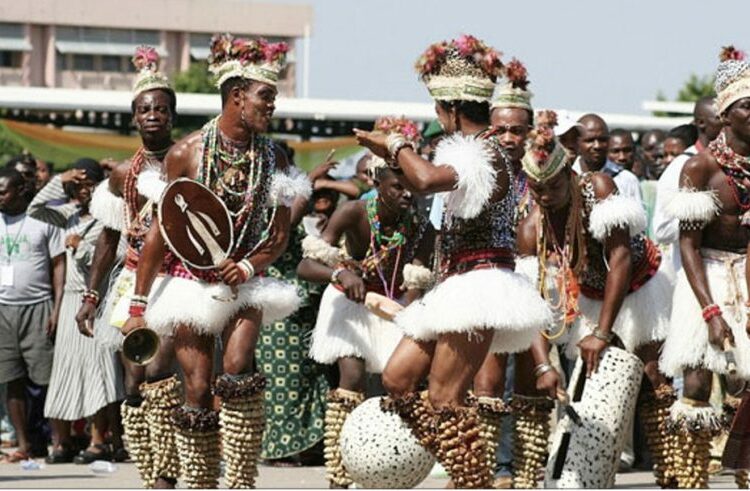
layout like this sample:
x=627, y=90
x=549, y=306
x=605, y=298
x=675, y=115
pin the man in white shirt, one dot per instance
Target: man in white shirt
x=593, y=146
x=666, y=229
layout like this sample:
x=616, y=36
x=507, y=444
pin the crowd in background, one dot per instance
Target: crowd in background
x=48, y=238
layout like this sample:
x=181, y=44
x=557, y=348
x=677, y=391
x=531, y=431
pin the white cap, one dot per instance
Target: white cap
x=565, y=123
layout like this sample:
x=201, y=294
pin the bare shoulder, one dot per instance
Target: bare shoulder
x=117, y=178
x=604, y=185
x=698, y=170
x=186, y=146
x=180, y=157
x=352, y=210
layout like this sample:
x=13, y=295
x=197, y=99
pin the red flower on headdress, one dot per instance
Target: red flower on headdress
x=466, y=44
x=273, y=52
x=517, y=74
x=145, y=57
x=731, y=53
x=542, y=142
x=431, y=59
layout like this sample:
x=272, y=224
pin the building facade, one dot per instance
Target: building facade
x=88, y=44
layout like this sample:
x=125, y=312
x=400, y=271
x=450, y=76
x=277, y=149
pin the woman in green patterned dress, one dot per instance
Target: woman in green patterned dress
x=297, y=386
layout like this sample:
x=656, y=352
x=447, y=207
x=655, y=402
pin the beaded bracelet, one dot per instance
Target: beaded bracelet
x=541, y=369
x=598, y=334
x=136, y=310
x=91, y=296
x=395, y=142
x=335, y=275
x=711, y=311
x=247, y=269
x=138, y=304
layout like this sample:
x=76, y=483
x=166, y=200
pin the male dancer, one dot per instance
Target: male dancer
x=151, y=392
x=708, y=307
x=451, y=329
x=511, y=118
x=387, y=245
x=252, y=177
x=583, y=238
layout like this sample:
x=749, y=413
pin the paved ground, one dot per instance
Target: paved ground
x=74, y=476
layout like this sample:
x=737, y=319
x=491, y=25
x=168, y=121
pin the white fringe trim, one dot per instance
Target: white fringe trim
x=190, y=302
x=614, y=212
x=321, y=251
x=472, y=160
x=288, y=186
x=478, y=300
x=643, y=316
x=417, y=277
x=692, y=205
x=687, y=343
x=348, y=329
x=695, y=418
x=151, y=184
x=108, y=208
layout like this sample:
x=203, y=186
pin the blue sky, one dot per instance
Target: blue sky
x=597, y=55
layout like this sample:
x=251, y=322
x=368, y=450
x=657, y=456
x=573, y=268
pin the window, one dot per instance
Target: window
x=83, y=63
x=103, y=41
x=10, y=59
x=9, y=30
x=111, y=63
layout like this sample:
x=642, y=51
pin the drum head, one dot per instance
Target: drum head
x=193, y=222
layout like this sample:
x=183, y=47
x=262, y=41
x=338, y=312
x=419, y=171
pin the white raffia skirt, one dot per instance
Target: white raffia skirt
x=496, y=299
x=687, y=343
x=643, y=317
x=114, y=312
x=348, y=329
x=179, y=301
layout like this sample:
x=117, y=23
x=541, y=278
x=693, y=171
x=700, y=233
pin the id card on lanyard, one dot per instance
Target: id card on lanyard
x=6, y=268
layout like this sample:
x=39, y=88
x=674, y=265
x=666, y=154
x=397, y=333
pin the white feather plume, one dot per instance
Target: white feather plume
x=288, y=186
x=151, y=184
x=616, y=211
x=108, y=208
x=471, y=159
x=692, y=205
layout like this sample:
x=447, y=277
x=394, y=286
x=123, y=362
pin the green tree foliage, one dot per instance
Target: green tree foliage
x=696, y=87
x=692, y=89
x=195, y=79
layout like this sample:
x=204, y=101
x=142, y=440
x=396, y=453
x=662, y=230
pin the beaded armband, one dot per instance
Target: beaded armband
x=417, y=277
x=694, y=209
x=321, y=251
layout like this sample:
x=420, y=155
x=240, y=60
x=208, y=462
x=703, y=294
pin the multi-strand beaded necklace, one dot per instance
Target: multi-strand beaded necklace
x=572, y=257
x=737, y=169
x=138, y=219
x=383, y=246
x=241, y=178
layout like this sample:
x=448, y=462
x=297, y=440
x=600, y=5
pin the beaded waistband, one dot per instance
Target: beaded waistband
x=643, y=271
x=470, y=260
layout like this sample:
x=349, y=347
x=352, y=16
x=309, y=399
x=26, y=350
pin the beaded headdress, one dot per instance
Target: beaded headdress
x=146, y=63
x=255, y=59
x=732, y=78
x=463, y=69
x=545, y=157
x=514, y=93
x=391, y=124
